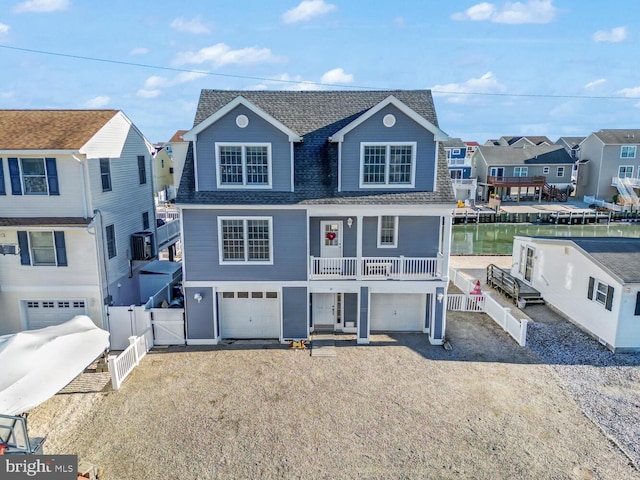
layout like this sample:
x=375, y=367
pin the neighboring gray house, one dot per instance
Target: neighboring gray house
x=519, y=141
x=571, y=145
x=521, y=167
x=609, y=166
x=309, y=211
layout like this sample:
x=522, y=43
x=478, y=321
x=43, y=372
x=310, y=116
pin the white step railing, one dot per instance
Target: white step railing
x=122, y=365
x=376, y=268
x=629, y=185
x=168, y=232
x=622, y=190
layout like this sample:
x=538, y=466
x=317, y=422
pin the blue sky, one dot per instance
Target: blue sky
x=537, y=67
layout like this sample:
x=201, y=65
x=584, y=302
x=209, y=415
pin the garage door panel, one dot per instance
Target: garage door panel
x=397, y=312
x=251, y=315
x=46, y=313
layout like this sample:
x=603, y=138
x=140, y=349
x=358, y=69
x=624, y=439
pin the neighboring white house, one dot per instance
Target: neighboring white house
x=77, y=218
x=594, y=281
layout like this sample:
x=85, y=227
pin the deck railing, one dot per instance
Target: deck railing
x=376, y=268
x=168, y=233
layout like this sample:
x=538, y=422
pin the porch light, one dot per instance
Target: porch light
x=198, y=297
x=440, y=297
x=349, y=222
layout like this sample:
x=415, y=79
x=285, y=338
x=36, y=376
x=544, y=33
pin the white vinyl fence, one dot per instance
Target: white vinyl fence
x=122, y=365
x=467, y=302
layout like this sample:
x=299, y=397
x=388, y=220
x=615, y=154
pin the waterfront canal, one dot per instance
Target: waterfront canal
x=497, y=238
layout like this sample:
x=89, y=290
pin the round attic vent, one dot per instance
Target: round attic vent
x=242, y=121
x=389, y=120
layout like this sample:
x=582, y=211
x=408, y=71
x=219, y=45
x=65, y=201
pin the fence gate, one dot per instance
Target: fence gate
x=121, y=326
x=168, y=326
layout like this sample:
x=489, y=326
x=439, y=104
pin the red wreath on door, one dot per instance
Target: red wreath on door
x=331, y=236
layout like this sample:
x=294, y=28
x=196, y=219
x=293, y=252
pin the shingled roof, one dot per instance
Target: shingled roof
x=530, y=155
x=316, y=116
x=619, y=137
x=50, y=129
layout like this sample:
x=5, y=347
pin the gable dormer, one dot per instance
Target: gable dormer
x=389, y=147
x=242, y=147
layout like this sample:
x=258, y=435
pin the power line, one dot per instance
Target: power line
x=280, y=80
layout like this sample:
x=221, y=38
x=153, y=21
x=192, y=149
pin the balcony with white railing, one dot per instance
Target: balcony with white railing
x=168, y=234
x=375, y=268
x=464, y=182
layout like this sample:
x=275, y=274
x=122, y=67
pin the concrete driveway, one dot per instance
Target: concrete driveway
x=398, y=408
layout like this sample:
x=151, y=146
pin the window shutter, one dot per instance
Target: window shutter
x=637, y=312
x=609, y=301
x=61, y=250
x=590, y=292
x=52, y=176
x=142, y=170
x=3, y=190
x=14, y=174
x=23, y=243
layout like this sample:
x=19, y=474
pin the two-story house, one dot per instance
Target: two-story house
x=306, y=211
x=76, y=215
x=519, y=141
x=609, y=166
x=521, y=171
x=459, y=162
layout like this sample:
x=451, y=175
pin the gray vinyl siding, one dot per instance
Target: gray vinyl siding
x=364, y=313
x=350, y=305
x=294, y=311
x=349, y=236
x=611, y=161
x=199, y=314
x=417, y=237
x=124, y=204
x=200, y=246
x=405, y=130
x=258, y=131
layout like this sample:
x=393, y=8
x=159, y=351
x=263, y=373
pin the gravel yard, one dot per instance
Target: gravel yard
x=398, y=408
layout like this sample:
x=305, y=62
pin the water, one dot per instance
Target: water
x=497, y=238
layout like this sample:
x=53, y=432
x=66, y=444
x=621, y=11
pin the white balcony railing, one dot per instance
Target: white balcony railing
x=168, y=233
x=464, y=182
x=375, y=268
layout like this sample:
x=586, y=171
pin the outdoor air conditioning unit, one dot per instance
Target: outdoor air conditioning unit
x=8, y=249
x=142, y=245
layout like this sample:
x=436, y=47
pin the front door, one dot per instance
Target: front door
x=331, y=239
x=324, y=310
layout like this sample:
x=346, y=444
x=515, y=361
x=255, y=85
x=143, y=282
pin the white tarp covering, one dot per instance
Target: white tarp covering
x=37, y=364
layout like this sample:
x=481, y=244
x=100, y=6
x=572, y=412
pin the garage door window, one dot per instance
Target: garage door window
x=245, y=240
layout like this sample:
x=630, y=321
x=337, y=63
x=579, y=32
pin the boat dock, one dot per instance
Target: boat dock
x=540, y=213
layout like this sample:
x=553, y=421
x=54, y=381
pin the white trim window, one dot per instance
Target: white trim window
x=246, y=165
x=520, y=171
x=43, y=248
x=601, y=293
x=384, y=164
x=545, y=170
x=34, y=176
x=245, y=240
x=387, y=232
x=625, y=171
x=628, y=151
x=560, y=172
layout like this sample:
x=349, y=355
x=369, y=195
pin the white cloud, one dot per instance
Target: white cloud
x=4, y=29
x=632, y=92
x=460, y=92
x=533, y=11
x=307, y=10
x=144, y=93
x=614, y=35
x=41, y=6
x=337, y=75
x=97, y=102
x=154, y=84
x=221, y=54
x=595, y=83
x=284, y=81
x=194, y=25
x=139, y=51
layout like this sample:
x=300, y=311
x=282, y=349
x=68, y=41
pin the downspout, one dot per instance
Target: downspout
x=83, y=183
x=102, y=262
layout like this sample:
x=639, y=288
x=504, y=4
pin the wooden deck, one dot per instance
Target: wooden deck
x=513, y=287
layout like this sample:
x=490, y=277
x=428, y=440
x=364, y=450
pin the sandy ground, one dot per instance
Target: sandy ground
x=398, y=408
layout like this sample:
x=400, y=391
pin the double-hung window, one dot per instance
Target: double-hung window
x=625, y=171
x=110, y=232
x=105, y=174
x=560, y=172
x=245, y=165
x=245, y=240
x=42, y=248
x=34, y=176
x=142, y=170
x=387, y=164
x=520, y=171
x=628, y=151
x=387, y=232
x=600, y=292
x=545, y=170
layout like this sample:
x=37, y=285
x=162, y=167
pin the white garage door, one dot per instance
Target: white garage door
x=45, y=313
x=249, y=314
x=397, y=312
